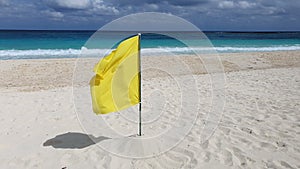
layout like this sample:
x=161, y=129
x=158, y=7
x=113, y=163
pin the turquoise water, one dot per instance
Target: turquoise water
x=66, y=44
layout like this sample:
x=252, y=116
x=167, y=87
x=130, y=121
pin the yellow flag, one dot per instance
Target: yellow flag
x=116, y=84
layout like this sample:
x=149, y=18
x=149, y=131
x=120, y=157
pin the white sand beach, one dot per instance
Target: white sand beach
x=259, y=128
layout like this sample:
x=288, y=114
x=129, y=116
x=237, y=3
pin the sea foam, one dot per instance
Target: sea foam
x=84, y=52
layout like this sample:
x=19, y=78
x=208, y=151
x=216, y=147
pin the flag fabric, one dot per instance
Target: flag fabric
x=115, y=85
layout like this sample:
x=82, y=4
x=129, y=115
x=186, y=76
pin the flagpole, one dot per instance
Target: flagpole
x=140, y=86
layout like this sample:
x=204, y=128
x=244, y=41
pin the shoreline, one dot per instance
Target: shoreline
x=220, y=54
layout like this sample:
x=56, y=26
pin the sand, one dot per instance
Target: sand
x=41, y=127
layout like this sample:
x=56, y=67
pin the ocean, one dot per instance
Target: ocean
x=69, y=44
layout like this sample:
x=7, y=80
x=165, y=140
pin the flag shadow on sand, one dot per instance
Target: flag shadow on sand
x=72, y=140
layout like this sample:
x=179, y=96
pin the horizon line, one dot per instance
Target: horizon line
x=90, y=30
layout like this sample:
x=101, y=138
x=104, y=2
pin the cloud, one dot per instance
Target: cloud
x=158, y=2
x=187, y=2
x=253, y=8
x=239, y=4
x=152, y=6
x=245, y=4
x=4, y=2
x=226, y=4
x=91, y=14
x=54, y=14
x=69, y=4
x=99, y=7
x=82, y=8
x=273, y=11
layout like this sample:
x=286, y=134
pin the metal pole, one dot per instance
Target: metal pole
x=140, y=86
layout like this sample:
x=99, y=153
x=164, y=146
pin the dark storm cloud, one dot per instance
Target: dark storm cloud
x=207, y=14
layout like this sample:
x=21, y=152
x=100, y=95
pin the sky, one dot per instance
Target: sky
x=208, y=15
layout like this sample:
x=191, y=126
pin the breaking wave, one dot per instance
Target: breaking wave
x=84, y=52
